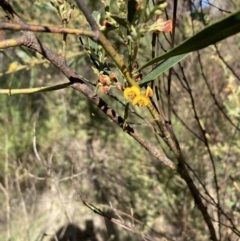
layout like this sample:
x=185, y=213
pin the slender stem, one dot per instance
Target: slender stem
x=81, y=4
x=6, y=183
x=34, y=90
x=4, y=44
x=46, y=29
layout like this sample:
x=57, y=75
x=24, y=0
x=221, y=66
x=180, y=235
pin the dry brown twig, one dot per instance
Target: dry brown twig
x=46, y=29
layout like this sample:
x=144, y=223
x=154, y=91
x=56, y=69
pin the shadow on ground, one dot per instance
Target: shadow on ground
x=71, y=232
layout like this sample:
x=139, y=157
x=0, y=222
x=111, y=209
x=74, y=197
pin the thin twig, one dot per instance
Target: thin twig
x=46, y=29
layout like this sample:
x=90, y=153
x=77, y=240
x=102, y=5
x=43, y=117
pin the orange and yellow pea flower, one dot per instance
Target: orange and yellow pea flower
x=134, y=95
x=140, y=100
x=131, y=92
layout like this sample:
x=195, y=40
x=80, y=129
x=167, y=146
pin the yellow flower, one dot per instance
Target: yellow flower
x=140, y=100
x=131, y=92
x=134, y=95
x=13, y=66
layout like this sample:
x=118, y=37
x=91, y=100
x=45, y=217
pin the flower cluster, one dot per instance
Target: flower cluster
x=136, y=97
x=108, y=81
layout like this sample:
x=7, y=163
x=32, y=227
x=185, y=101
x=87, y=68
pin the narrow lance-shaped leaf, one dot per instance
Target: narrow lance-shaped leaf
x=161, y=68
x=211, y=34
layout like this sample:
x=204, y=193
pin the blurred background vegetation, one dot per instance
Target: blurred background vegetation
x=42, y=134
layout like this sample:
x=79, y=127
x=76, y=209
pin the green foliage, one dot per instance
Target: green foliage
x=161, y=68
x=45, y=135
x=223, y=28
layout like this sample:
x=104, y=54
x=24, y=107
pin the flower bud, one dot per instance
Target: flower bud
x=112, y=76
x=104, y=79
x=119, y=86
x=104, y=89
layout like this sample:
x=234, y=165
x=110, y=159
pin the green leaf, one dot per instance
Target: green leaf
x=211, y=34
x=121, y=21
x=161, y=68
x=25, y=57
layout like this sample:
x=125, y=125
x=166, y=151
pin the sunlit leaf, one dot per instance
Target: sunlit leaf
x=161, y=68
